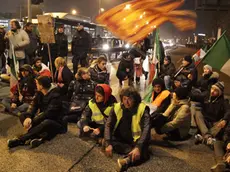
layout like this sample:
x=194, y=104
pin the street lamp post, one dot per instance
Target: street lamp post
x=99, y=6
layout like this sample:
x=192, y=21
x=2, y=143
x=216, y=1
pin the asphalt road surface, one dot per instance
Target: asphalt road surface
x=59, y=154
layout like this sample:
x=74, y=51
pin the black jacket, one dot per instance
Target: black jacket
x=81, y=90
x=203, y=87
x=98, y=76
x=87, y=113
x=145, y=128
x=123, y=65
x=2, y=43
x=49, y=106
x=167, y=70
x=190, y=69
x=33, y=45
x=67, y=77
x=62, y=44
x=81, y=43
x=216, y=109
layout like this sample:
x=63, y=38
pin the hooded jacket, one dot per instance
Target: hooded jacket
x=81, y=90
x=179, y=119
x=99, y=76
x=123, y=65
x=49, y=106
x=167, y=70
x=109, y=100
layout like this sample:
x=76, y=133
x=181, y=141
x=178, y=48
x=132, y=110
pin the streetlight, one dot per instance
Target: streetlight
x=102, y=10
x=74, y=12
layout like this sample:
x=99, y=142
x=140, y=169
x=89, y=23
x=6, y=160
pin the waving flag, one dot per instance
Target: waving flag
x=134, y=20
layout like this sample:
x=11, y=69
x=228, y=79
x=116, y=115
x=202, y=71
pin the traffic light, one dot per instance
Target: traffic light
x=37, y=2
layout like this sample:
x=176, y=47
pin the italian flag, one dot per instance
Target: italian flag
x=219, y=55
x=198, y=56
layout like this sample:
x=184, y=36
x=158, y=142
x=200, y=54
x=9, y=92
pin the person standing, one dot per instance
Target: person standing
x=18, y=40
x=2, y=49
x=32, y=47
x=81, y=45
x=61, y=43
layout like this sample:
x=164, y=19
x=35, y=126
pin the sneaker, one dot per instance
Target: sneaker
x=123, y=164
x=210, y=142
x=219, y=167
x=198, y=139
x=36, y=142
x=14, y=143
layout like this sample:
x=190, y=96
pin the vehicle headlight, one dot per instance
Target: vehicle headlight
x=105, y=47
x=127, y=46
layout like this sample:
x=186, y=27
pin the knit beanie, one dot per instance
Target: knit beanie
x=219, y=86
x=181, y=93
x=188, y=59
x=208, y=67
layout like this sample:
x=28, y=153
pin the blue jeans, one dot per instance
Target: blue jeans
x=22, y=108
x=167, y=80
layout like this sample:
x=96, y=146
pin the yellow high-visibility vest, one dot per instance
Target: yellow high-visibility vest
x=136, y=119
x=96, y=113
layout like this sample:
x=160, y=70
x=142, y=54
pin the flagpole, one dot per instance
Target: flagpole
x=210, y=49
x=50, y=60
x=14, y=61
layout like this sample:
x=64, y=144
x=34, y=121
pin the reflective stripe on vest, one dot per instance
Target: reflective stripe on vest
x=136, y=119
x=96, y=113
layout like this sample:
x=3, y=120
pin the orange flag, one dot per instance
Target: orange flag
x=133, y=21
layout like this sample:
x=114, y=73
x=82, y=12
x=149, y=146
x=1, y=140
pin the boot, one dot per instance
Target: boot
x=219, y=167
x=123, y=164
x=15, y=142
x=198, y=139
x=36, y=142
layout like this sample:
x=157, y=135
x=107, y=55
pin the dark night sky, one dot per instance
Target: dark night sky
x=90, y=8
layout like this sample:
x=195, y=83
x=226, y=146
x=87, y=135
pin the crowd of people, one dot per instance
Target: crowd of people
x=179, y=101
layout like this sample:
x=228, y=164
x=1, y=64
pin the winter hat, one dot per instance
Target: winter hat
x=219, y=86
x=26, y=67
x=181, y=93
x=208, y=67
x=188, y=59
x=168, y=58
x=159, y=81
x=44, y=81
x=104, y=90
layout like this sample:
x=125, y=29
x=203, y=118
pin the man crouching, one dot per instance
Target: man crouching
x=127, y=130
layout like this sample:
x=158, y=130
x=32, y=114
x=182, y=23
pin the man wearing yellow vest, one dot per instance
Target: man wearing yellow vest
x=127, y=130
x=98, y=109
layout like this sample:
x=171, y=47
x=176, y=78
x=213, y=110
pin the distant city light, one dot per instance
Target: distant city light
x=74, y=12
x=201, y=34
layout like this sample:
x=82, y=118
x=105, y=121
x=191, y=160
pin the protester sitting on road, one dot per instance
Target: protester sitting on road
x=201, y=90
x=40, y=69
x=43, y=118
x=160, y=97
x=125, y=69
x=23, y=93
x=213, y=116
x=127, y=130
x=175, y=121
x=98, y=72
x=188, y=70
x=63, y=76
x=80, y=91
x=222, y=151
x=167, y=72
x=96, y=113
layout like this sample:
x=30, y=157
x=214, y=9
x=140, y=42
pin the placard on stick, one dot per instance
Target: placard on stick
x=46, y=29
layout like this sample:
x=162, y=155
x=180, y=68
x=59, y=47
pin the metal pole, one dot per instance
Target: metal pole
x=29, y=11
x=50, y=61
x=99, y=5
